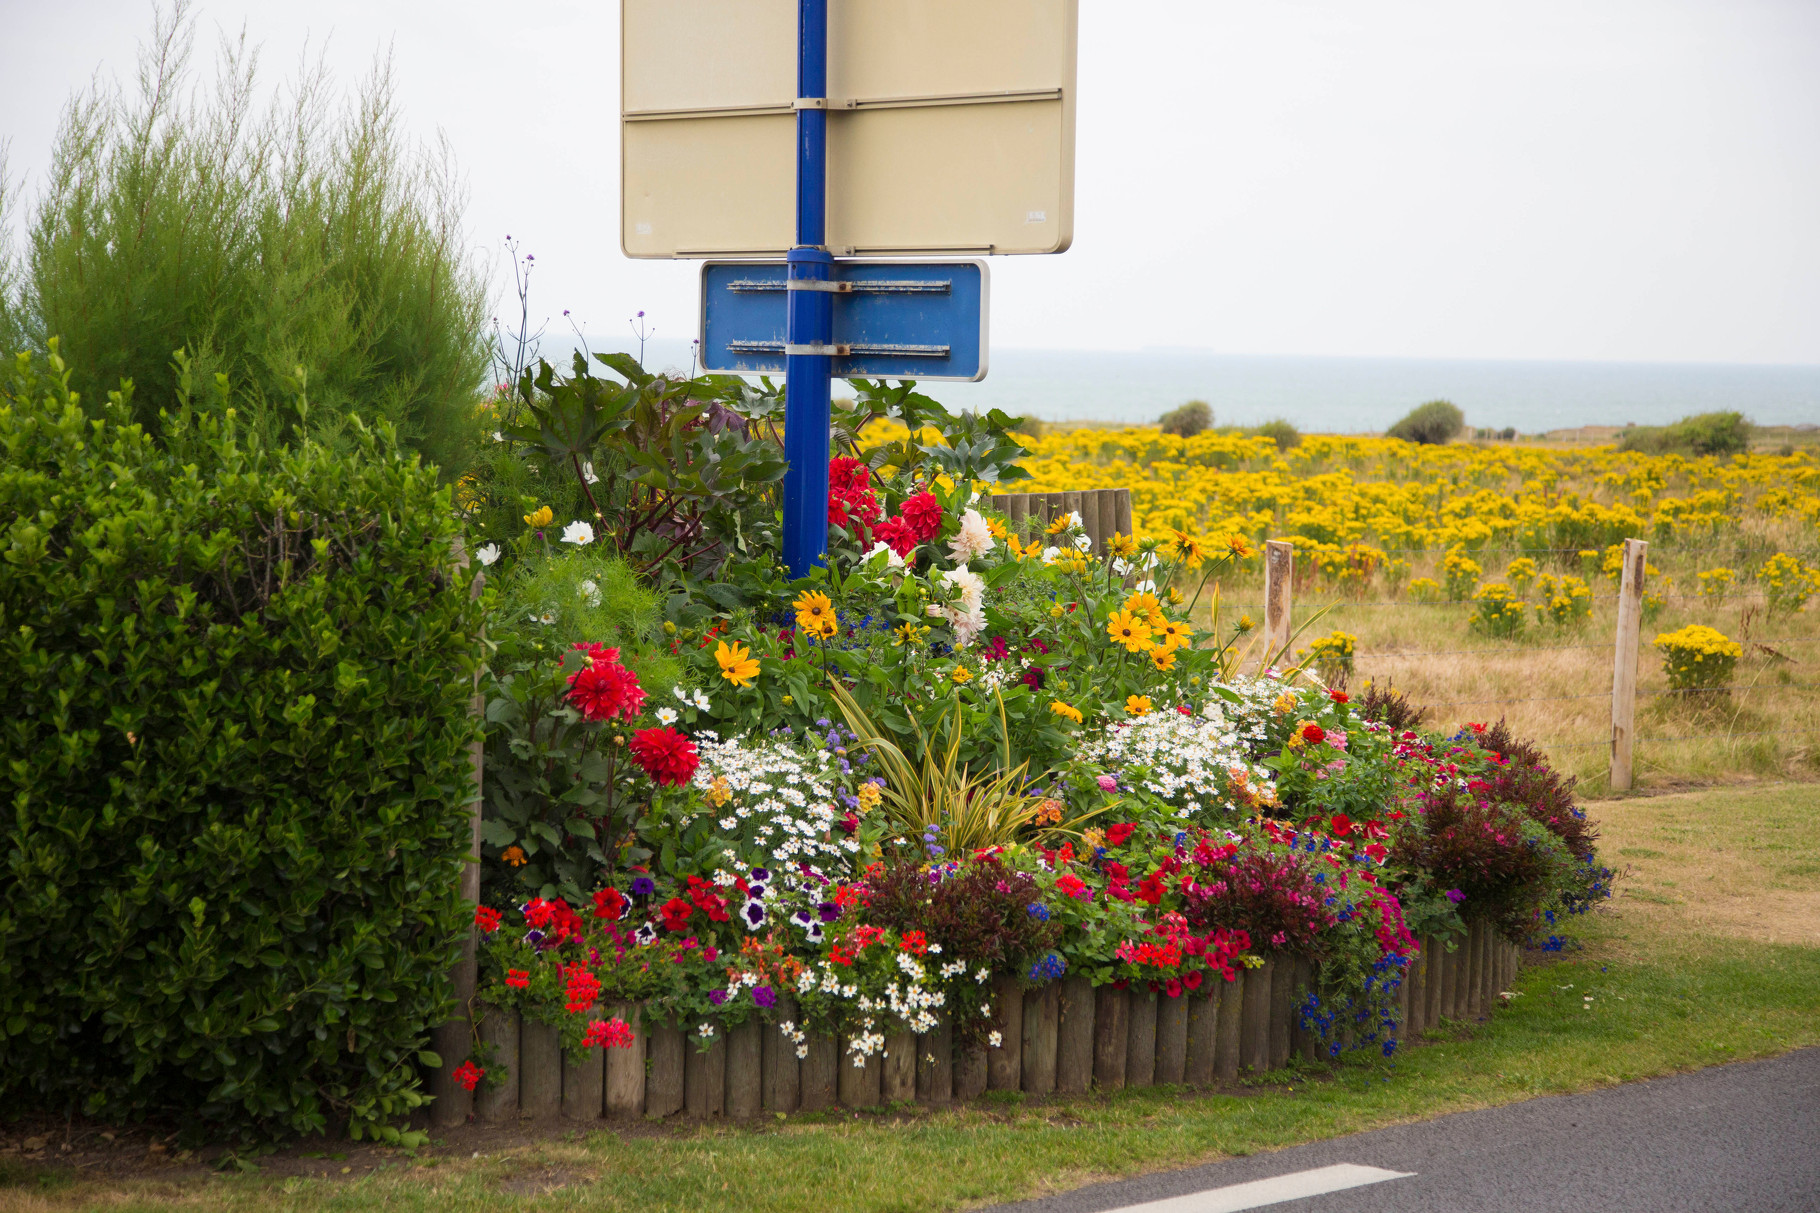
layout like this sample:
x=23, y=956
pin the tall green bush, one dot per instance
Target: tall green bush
x=1186, y=421
x=1700, y=434
x=234, y=729
x=301, y=244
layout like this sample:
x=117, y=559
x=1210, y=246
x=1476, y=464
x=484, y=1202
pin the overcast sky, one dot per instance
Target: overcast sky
x=1589, y=179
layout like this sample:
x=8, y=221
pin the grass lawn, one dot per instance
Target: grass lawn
x=1709, y=954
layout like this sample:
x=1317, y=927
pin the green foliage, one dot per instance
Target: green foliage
x=1701, y=434
x=307, y=245
x=671, y=479
x=234, y=747
x=1434, y=422
x=1186, y=421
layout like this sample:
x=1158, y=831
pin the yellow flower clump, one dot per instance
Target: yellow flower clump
x=1697, y=657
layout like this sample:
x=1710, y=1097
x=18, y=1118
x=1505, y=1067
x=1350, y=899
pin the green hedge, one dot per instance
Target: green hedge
x=234, y=719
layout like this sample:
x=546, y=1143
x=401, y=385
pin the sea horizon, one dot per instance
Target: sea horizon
x=1341, y=393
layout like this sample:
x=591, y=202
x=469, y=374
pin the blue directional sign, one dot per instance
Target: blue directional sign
x=892, y=319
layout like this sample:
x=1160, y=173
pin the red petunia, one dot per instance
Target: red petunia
x=604, y=688
x=608, y=903
x=667, y=756
x=923, y=514
x=486, y=918
x=1377, y=851
x=676, y=914
x=1173, y=988
x=1192, y=980
x=1150, y=889
x=1342, y=825
x=467, y=1075
x=1118, y=834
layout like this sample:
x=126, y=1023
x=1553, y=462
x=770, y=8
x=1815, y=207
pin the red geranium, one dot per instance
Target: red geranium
x=1071, y=885
x=608, y=1034
x=518, y=979
x=1117, y=835
x=486, y=918
x=667, y=756
x=467, y=1075
x=923, y=513
x=604, y=688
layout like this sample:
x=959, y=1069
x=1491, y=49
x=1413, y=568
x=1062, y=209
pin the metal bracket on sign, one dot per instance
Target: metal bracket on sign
x=813, y=349
x=819, y=284
x=810, y=103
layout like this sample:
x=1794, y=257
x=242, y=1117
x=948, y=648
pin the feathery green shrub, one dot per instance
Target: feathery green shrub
x=298, y=246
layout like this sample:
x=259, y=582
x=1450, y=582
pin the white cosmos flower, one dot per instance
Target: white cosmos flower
x=498, y=437
x=578, y=533
x=1050, y=553
x=973, y=540
x=701, y=700
x=589, y=592
x=1083, y=542
x=587, y=472
x=488, y=554
x=666, y=716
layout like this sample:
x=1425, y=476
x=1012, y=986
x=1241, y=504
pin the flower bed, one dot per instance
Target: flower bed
x=976, y=805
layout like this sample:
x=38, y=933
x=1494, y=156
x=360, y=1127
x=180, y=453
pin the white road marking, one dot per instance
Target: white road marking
x=1261, y=1192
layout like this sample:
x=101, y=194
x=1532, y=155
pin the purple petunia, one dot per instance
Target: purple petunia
x=644, y=886
x=764, y=996
x=1455, y=896
x=829, y=911
x=754, y=914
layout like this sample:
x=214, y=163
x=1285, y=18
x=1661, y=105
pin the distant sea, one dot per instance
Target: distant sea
x=1355, y=395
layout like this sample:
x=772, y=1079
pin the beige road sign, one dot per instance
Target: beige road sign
x=950, y=127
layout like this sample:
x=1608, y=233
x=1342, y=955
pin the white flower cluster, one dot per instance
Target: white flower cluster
x=1193, y=762
x=779, y=799
x=967, y=613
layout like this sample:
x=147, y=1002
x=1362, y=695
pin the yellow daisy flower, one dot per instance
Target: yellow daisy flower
x=541, y=516
x=1147, y=605
x=1131, y=631
x=1137, y=705
x=1062, y=709
x=1163, y=660
x=1172, y=634
x=1187, y=549
x=737, y=665
x=962, y=675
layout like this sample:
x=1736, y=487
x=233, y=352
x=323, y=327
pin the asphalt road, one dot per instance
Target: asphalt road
x=1741, y=1138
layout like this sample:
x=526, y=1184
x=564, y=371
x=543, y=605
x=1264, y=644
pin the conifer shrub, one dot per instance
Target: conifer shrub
x=235, y=692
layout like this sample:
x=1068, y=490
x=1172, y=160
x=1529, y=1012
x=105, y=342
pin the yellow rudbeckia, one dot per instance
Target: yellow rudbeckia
x=737, y=665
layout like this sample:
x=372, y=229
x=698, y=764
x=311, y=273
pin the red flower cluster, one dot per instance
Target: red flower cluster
x=1118, y=835
x=916, y=942
x=553, y=918
x=604, y=688
x=581, y=987
x=851, y=501
x=918, y=521
x=610, y=903
x=467, y=1075
x=486, y=918
x=667, y=756
x=704, y=897
x=608, y=1034
x=518, y=979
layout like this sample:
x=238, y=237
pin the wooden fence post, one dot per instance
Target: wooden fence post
x=1005, y=1064
x=1279, y=573
x=1624, y=664
x=454, y=1040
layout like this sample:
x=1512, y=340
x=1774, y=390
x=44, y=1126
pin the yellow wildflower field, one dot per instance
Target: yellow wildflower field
x=1481, y=578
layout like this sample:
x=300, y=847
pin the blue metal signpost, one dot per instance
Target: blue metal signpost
x=810, y=331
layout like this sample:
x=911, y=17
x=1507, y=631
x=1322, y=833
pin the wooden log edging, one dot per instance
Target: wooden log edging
x=1068, y=1037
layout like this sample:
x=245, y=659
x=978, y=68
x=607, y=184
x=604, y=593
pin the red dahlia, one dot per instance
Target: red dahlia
x=603, y=688
x=923, y=513
x=667, y=756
